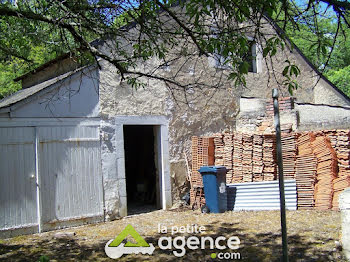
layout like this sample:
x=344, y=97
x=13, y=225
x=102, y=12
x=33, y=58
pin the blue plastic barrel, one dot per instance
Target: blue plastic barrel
x=214, y=182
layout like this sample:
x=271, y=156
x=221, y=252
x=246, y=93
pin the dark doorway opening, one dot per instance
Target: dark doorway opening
x=140, y=168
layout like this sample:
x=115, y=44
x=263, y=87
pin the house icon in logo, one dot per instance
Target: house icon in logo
x=115, y=248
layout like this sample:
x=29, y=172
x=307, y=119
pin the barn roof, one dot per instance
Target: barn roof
x=27, y=93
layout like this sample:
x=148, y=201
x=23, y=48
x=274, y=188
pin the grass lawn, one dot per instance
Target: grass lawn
x=311, y=237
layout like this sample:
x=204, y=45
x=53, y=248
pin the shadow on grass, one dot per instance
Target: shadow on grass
x=253, y=247
x=62, y=249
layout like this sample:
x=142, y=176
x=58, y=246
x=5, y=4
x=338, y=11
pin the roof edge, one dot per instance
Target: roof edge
x=43, y=66
x=59, y=79
x=280, y=31
x=313, y=104
x=61, y=57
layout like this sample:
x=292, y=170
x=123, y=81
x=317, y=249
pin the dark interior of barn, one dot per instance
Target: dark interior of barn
x=140, y=169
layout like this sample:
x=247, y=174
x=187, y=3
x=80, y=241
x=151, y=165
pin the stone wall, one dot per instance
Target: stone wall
x=256, y=115
x=300, y=117
x=206, y=102
x=318, y=117
x=199, y=117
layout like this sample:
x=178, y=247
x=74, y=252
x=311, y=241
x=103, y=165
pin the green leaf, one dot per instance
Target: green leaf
x=269, y=11
x=273, y=52
x=232, y=76
x=266, y=50
x=244, y=68
x=324, y=50
x=43, y=259
x=225, y=52
x=285, y=71
x=294, y=70
x=210, y=48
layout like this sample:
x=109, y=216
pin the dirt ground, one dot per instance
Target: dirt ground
x=312, y=236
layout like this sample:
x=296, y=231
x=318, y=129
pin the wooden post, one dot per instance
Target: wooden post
x=280, y=174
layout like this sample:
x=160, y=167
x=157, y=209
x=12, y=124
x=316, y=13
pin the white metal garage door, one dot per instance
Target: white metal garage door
x=18, y=207
x=70, y=173
x=66, y=163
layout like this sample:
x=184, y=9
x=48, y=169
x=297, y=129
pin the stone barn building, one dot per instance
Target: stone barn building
x=79, y=145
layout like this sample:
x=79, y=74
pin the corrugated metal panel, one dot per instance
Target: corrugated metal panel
x=70, y=173
x=17, y=178
x=260, y=195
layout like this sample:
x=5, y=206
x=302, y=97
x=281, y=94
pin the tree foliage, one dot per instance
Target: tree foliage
x=35, y=31
x=341, y=78
x=326, y=46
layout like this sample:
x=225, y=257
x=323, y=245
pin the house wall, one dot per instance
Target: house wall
x=318, y=117
x=303, y=117
x=206, y=110
x=325, y=94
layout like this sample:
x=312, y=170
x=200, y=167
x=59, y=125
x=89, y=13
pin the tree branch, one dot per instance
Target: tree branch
x=345, y=5
x=183, y=26
x=15, y=54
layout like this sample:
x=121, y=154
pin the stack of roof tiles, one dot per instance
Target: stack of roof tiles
x=285, y=104
x=228, y=151
x=326, y=171
x=343, y=152
x=286, y=128
x=340, y=140
x=269, y=157
x=332, y=135
x=202, y=155
x=224, y=154
x=237, y=158
x=289, y=153
x=305, y=171
x=219, y=149
x=319, y=161
x=258, y=166
x=247, y=158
